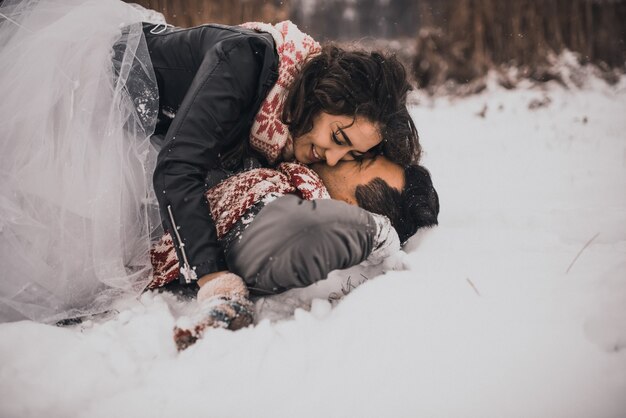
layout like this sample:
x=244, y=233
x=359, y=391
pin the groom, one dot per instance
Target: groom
x=279, y=230
x=294, y=243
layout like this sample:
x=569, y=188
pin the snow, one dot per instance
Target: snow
x=489, y=319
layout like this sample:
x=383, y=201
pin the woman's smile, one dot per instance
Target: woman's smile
x=315, y=157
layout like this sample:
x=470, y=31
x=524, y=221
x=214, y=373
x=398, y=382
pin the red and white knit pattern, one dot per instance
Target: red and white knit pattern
x=231, y=199
x=164, y=262
x=268, y=134
x=308, y=185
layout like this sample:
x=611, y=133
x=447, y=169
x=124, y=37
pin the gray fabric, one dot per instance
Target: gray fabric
x=294, y=243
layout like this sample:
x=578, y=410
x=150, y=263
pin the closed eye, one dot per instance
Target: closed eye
x=353, y=155
x=336, y=139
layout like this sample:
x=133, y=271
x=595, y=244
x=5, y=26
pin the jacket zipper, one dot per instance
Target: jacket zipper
x=188, y=273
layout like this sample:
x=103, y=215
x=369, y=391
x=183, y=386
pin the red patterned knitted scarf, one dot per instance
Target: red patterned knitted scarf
x=269, y=135
x=231, y=199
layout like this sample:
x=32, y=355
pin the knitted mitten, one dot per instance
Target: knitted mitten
x=223, y=303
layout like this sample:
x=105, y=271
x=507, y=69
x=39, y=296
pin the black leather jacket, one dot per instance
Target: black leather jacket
x=213, y=79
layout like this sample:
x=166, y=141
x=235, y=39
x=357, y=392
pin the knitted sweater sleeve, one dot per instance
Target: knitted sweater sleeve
x=208, y=121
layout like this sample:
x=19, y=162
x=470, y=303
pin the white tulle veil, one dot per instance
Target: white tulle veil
x=78, y=102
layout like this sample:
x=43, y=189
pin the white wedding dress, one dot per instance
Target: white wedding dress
x=78, y=102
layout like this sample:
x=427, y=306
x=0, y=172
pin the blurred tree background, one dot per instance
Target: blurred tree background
x=186, y=13
x=441, y=40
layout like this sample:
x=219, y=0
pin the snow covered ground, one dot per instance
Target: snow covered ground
x=515, y=306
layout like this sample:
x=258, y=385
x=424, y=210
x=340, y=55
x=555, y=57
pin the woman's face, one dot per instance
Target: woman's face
x=335, y=138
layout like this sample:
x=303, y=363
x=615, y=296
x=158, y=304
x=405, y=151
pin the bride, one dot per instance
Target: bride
x=80, y=102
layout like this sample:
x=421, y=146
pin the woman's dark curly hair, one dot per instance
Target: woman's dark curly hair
x=355, y=83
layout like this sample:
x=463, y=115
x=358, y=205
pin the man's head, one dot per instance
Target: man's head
x=405, y=195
